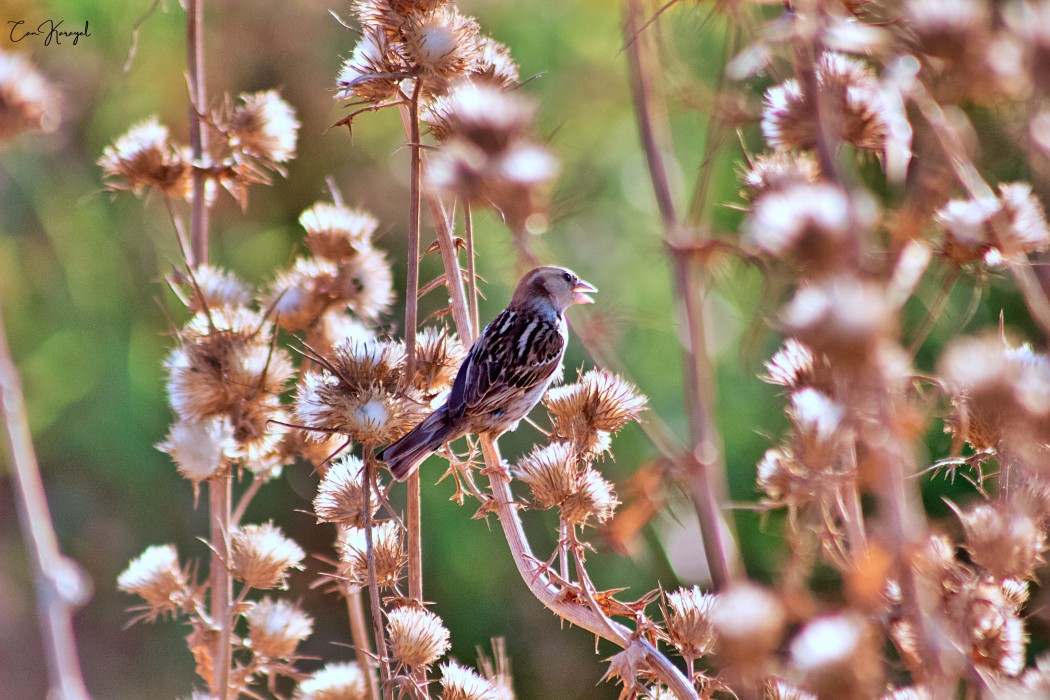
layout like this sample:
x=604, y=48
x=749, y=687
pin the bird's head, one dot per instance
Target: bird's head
x=556, y=285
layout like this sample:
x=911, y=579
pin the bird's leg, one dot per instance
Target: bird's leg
x=502, y=469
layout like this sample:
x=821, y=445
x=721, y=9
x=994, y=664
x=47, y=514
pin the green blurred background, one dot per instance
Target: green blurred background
x=89, y=318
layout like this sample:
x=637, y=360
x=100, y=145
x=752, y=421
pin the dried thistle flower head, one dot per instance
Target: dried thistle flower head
x=793, y=366
x=208, y=287
x=364, y=283
x=276, y=627
x=911, y=692
x=341, y=680
x=264, y=126
x=336, y=326
x=688, y=621
x=461, y=683
x=748, y=623
x=991, y=229
x=780, y=689
x=853, y=95
x=515, y=178
x=996, y=390
x=815, y=225
x=442, y=43
x=438, y=357
x=592, y=497
x=143, y=158
x=371, y=415
x=818, y=427
x=297, y=296
x=1009, y=543
x=27, y=100
x=837, y=656
x=225, y=362
x=341, y=494
x=598, y=404
x=262, y=556
x=996, y=631
x=495, y=65
x=948, y=29
x=551, y=473
x=782, y=479
x=370, y=363
x=418, y=638
x=201, y=449
x=485, y=115
x=156, y=576
x=335, y=232
x=778, y=170
x=314, y=286
x=374, y=71
x=843, y=317
x=389, y=553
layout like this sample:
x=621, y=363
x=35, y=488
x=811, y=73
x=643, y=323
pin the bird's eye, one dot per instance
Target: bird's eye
x=567, y=277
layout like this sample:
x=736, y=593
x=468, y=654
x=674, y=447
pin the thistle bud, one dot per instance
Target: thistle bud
x=778, y=170
x=417, y=636
x=276, y=627
x=144, y=158
x=688, y=621
x=201, y=449
x=389, y=553
x=850, y=88
x=264, y=126
x=261, y=556
x=27, y=100
x=593, y=497
x=1007, y=542
x=334, y=681
x=156, y=576
x=837, y=656
x=341, y=494
x=336, y=232
x=748, y=622
x=598, y=404
x=461, y=683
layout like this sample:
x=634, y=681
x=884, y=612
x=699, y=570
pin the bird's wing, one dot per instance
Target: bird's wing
x=514, y=354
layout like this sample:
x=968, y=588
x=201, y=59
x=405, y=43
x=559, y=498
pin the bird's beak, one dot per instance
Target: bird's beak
x=580, y=292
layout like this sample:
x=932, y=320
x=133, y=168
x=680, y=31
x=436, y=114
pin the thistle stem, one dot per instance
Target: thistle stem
x=60, y=585
x=472, y=275
x=219, y=490
x=355, y=609
x=374, y=602
x=704, y=465
x=415, y=537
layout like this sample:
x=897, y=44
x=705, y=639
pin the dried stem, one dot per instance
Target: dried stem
x=903, y=528
x=472, y=274
x=219, y=489
x=198, y=135
x=61, y=586
x=374, y=603
x=415, y=537
x=705, y=467
x=355, y=609
x=244, y=500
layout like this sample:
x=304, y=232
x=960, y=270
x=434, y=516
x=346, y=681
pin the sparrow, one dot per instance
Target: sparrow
x=506, y=372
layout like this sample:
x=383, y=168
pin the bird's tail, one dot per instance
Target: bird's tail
x=404, y=456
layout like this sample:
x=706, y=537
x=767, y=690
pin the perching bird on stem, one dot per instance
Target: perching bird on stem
x=506, y=372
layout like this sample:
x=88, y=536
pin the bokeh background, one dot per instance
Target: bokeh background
x=89, y=317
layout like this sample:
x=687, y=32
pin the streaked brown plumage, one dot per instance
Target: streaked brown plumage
x=506, y=372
